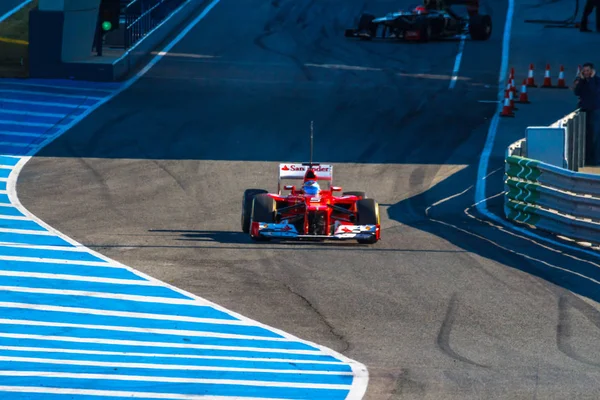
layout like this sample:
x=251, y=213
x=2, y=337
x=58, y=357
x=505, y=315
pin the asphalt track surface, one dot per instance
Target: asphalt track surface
x=445, y=306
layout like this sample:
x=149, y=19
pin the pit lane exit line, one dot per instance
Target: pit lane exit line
x=461, y=48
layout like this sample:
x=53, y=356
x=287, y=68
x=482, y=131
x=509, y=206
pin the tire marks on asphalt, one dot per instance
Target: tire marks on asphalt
x=443, y=339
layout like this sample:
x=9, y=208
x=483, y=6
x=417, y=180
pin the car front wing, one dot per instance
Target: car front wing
x=288, y=231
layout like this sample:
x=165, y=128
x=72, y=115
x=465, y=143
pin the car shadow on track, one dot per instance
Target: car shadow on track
x=409, y=42
x=456, y=220
x=240, y=238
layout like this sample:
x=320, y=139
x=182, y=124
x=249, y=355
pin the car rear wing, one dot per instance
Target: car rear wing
x=298, y=170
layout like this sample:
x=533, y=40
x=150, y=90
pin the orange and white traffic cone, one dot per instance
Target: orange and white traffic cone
x=511, y=99
x=530, y=78
x=506, y=110
x=547, y=80
x=523, y=98
x=561, y=79
x=513, y=88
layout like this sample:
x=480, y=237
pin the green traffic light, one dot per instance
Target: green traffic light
x=106, y=25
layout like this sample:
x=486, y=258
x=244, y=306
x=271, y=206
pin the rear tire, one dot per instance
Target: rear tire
x=425, y=32
x=368, y=214
x=263, y=210
x=249, y=195
x=365, y=23
x=480, y=27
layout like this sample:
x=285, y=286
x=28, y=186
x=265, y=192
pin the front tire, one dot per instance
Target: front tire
x=480, y=27
x=365, y=23
x=425, y=33
x=368, y=214
x=263, y=210
x=247, y=199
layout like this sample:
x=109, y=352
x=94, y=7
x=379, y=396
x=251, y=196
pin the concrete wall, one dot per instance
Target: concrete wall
x=81, y=18
x=79, y=25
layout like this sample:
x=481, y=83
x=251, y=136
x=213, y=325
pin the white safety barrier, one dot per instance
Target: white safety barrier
x=548, y=197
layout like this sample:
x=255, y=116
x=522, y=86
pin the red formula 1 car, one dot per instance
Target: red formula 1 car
x=312, y=211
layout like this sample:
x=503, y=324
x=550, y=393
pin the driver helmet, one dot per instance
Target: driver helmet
x=421, y=9
x=311, y=187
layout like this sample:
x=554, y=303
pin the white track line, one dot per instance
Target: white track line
x=119, y=328
x=21, y=123
x=23, y=134
x=361, y=376
x=102, y=295
x=122, y=393
x=173, y=367
x=162, y=345
x=79, y=278
x=79, y=249
x=74, y=88
x=38, y=93
x=164, y=355
x=31, y=113
x=12, y=217
x=43, y=103
x=122, y=314
x=156, y=379
x=26, y=232
x=14, y=144
x=343, y=67
x=101, y=264
x=461, y=48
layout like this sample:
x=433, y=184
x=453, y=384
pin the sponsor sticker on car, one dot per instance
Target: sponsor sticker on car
x=295, y=170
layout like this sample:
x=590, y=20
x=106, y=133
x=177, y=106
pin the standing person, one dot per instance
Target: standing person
x=587, y=10
x=587, y=87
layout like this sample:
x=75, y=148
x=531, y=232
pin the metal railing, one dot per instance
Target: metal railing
x=574, y=123
x=557, y=200
x=140, y=17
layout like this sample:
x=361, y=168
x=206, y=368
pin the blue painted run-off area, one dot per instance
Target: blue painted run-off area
x=75, y=325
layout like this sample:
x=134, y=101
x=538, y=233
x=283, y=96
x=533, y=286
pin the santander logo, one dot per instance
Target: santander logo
x=301, y=168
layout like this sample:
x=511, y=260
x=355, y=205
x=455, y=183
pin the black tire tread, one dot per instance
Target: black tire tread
x=368, y=214
x=247, y=199
x=477, y=27
x=263, y=210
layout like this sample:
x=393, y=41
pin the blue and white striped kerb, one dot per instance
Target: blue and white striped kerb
x=76, y=325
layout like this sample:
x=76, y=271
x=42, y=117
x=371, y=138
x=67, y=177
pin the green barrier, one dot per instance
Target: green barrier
x=522, y=213
x=523, y=168
x=523, y=191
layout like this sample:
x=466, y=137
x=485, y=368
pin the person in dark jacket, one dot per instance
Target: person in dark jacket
x=587, y=10
x=587, y=87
